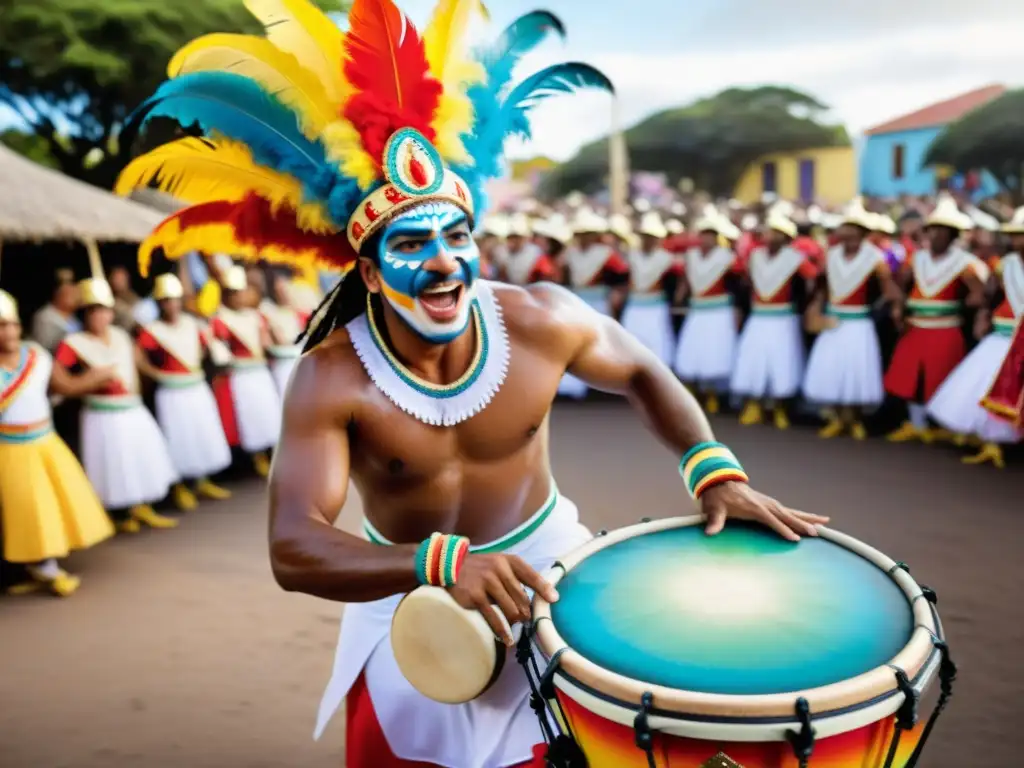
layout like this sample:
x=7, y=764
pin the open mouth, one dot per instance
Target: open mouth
x=441, y=302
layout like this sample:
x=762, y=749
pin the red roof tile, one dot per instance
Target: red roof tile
x=940, y=113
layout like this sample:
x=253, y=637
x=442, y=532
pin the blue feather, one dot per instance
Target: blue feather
x=518, y=39
x=552, y=81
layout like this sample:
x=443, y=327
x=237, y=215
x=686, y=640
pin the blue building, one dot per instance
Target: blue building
x=892, y=158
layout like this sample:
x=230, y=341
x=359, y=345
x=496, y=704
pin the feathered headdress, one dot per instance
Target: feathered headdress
x=311, y=132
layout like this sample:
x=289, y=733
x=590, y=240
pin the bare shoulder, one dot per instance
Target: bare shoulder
x=329, y=381
x=546, y=315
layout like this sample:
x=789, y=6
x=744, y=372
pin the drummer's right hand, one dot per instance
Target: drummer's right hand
x=487, y=580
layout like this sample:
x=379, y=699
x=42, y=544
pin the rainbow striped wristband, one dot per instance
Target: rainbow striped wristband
x=707, y=465
x=439, y=559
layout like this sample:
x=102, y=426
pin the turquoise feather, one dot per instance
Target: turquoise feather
x=552, y=81
x=518, y=39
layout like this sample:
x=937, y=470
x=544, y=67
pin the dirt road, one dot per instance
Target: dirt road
x=180, y=651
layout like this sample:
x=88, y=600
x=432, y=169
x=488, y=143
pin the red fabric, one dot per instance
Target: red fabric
x=810, y=248
x=925, y=355
x=543, y=269
x=158, y=355
x=226, y=407
x=68, y=358
x=366, y=746
x=1005, y=398
x=616, y=265
x=65, y=355
x=238, y=349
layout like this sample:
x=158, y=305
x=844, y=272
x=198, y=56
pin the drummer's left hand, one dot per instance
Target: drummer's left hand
x=741, y=502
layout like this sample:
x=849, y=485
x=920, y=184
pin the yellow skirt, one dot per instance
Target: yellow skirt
x=47, y=506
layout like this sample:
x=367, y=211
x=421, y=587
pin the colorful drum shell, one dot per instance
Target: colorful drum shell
x=853, y=719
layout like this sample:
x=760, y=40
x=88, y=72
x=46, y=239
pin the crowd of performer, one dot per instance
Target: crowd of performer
x=774, y=315
x=163, y=395
x=160, y=400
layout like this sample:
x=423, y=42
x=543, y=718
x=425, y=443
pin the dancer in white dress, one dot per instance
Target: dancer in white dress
x=770, y=354
x=593, y=269
x=648, y=314
x=173, y=349
x=249, y=403
x=844, y=370
x=956, y=405
x=706, y=350
x=520, y=260
x=124, y=452
x=285, y=323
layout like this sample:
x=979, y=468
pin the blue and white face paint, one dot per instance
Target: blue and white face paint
x=436, y=305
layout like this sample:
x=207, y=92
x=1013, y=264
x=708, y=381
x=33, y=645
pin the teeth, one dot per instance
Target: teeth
x=443, y=288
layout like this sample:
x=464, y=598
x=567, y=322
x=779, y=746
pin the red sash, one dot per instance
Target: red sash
x=1005, y=397
x=21, y=378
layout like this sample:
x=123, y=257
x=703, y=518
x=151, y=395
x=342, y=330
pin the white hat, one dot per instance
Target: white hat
x=782, y=208
x=856, y=214
x=1015, y=226
x=677, y=209
x=982, y=220
x=884, y=224
x=710, y=220
x=947, y=214
x=518, y=225
x=167, y=286
x=782, y=224
x=588, y=220
x=235, y=278
x=675, y=227
x=554, y=228
x=95, y=292
x=494, y=224
x=814, y=214
x=620, y=226
x=8, y=308
x=640, y=205
x=749, y=221
x=729, y=230
x=575, y=199
x=652, y=225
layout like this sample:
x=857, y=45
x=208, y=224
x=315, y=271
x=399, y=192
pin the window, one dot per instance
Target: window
x=768, y=178
x=897, y=161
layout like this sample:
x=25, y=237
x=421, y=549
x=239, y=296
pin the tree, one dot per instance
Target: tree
x=989, y=138
x=74, y=69
x=31, y=146
x=711, y=141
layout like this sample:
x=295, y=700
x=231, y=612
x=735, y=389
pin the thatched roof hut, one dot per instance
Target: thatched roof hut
x=157, y=200
x=38, y=204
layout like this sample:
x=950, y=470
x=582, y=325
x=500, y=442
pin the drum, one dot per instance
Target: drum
x=668, y=647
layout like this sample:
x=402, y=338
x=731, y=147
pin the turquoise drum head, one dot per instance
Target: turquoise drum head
x=742, y=613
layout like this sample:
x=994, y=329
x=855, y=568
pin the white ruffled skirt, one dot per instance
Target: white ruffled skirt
x=649, y=319
x=955, y=404
x=769, y=357
x=845, y=366
x=126, y=456
x=706, y=350
x=190, y=421
x=257, y=407
x=570, y=386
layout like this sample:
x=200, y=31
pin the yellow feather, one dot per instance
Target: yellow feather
x=345, y=147
x=260, y=60
x=300, y=28
x=198, y=171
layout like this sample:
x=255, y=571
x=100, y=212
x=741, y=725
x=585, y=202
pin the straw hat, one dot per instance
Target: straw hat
x=947, y=214
x=235, y=279
x=710, y=220
x=95, y=292
x=857, y=215
x=8, y=308
x=982, y=220
x=675, y=227
x=494, y=225
x=575, y=199
x=1015, y=226
x=554, y=228
x=749, y=222
x=782, y=224
x=641, y=205
x=518, y=226
x=782, y=208
x=652, y=226
x=167, y=286
x=884, y=224
x=620, y=226
x=587, y=220
x=728, y=230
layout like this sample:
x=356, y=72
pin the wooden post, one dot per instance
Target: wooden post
x=618, y=163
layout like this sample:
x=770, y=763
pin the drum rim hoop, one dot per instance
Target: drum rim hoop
x=852, y=692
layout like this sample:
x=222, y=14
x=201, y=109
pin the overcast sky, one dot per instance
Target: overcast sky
x=870, y=60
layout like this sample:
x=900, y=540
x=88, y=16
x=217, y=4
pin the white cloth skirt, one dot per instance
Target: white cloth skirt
x=650, y=321
x=197, y=442
x=281, y=369
x=257, y=408
x=845, y=366
x=706, y=350
x=497, y=729
x=769, y=357
x=955, y=404
x=570, y=386
x=126, y=456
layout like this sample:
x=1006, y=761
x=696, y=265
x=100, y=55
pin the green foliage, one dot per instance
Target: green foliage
x=988, y=138
x=711, y=141
x=33, y=147
x=80, y=66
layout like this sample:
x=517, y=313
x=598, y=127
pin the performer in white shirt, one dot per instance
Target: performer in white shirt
x=648, y=314
x=285, y=323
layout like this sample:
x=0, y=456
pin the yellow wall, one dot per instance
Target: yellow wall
x=835, y=170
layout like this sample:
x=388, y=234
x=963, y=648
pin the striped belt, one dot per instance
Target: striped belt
x=849, y=311
x=591, y=292
x=181, y=380
x=648, y=299
x=284, y=353
x=1004, y=326
x=25, y=433
x=933, y=313
x=778, y=310
x=108, y=403
x=509, y=540
x=710, y=302
x=247, y=364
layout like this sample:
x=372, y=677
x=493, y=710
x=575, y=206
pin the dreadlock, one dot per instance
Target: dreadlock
x=343, y=303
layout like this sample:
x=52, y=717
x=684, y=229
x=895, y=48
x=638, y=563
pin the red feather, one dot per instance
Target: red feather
x=386, y=63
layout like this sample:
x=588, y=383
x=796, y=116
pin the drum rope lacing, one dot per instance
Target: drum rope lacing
x=564, y=751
